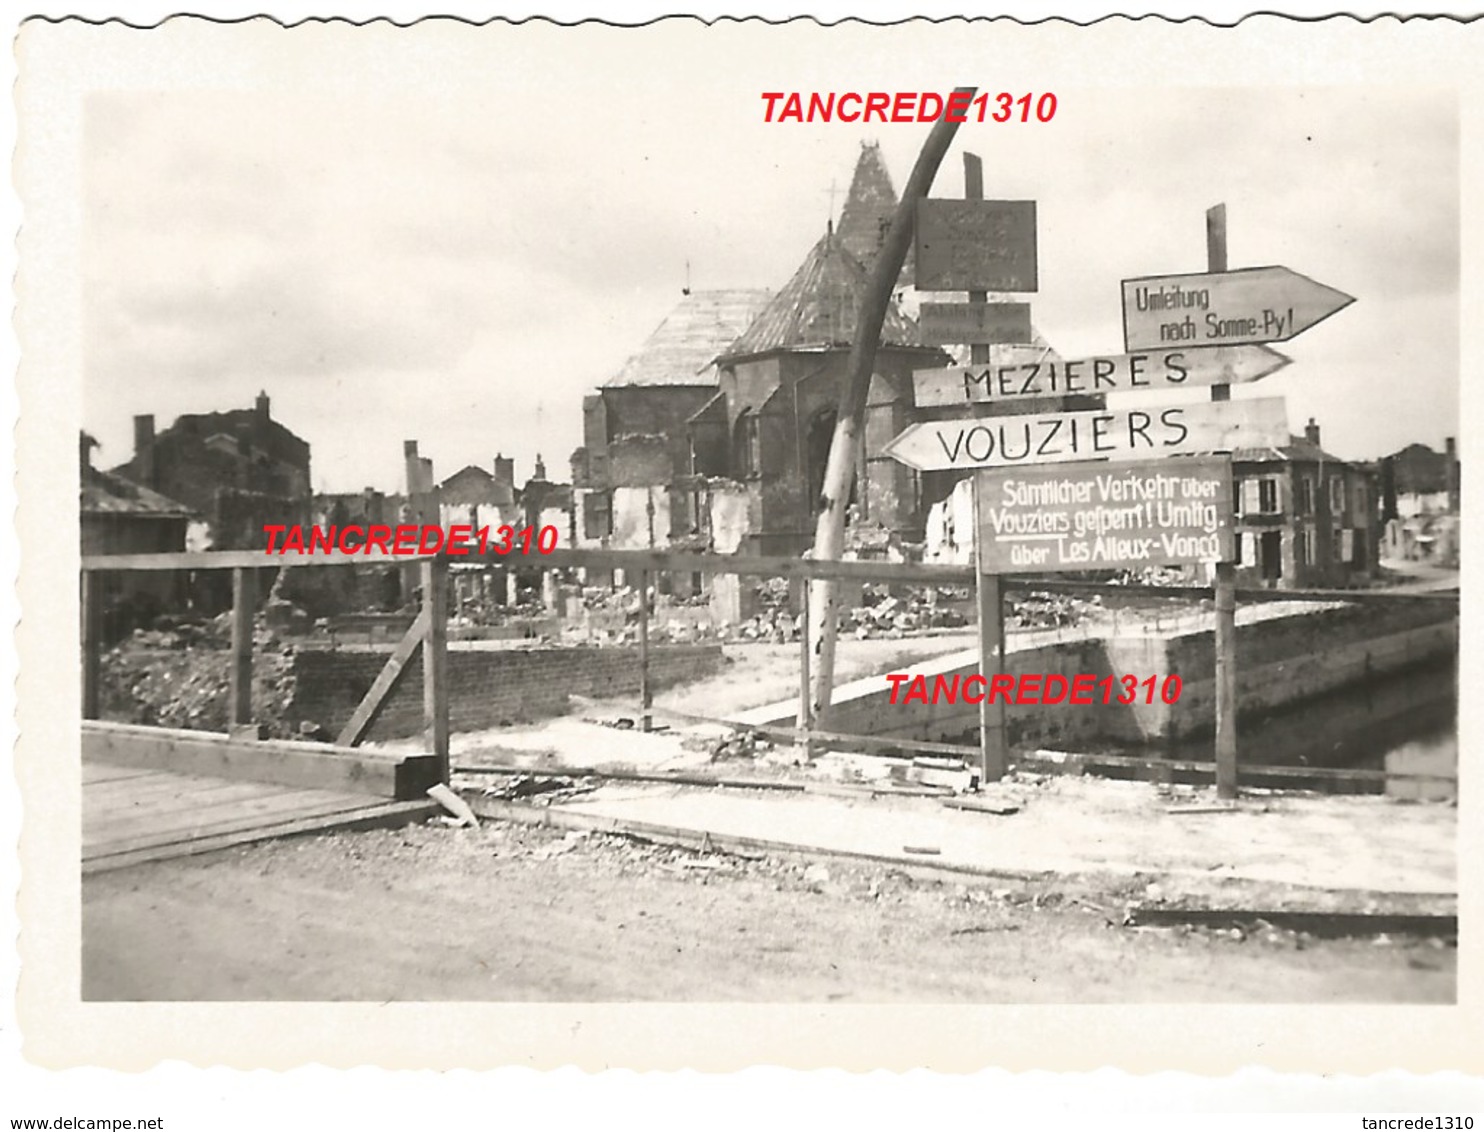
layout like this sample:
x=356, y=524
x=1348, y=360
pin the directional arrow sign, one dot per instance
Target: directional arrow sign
x=1257, y=304
x=1110, y=373
x=1103, y=434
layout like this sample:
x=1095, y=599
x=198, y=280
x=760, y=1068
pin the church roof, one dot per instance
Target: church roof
x=682, y=347
x=869, y=207
x=818, y=307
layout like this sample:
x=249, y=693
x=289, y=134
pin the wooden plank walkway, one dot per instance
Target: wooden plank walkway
x=132, y=815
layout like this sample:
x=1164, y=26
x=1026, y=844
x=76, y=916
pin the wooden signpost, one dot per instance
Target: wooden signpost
x=1153, y=370
x=1112, y=434
x=976, y=245
x=1224, y=308
x=974, y=323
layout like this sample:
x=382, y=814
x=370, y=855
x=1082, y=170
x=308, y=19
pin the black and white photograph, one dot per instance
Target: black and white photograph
x=738, y=515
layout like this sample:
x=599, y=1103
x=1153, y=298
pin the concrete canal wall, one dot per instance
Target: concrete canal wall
x=1280, y=660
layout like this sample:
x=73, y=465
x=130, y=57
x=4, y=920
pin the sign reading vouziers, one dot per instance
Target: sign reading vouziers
x=1101, y=434
x=1161, y=512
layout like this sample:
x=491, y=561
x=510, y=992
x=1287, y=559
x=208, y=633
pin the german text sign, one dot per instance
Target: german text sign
x=1163, y=512
x=942, y=324
x=1109, y=373
x=976, y=245
x=1257, y=304
x=1100, y=434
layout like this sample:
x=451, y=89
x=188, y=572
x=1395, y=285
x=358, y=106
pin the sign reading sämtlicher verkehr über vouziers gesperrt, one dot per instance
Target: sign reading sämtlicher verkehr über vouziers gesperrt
x=1163, y=512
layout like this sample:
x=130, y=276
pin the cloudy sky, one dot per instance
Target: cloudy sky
x=457, y=252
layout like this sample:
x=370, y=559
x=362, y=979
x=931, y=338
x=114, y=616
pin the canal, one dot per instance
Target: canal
x=1405, y=723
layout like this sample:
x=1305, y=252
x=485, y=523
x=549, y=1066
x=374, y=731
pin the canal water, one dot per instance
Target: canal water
x=1405, y=724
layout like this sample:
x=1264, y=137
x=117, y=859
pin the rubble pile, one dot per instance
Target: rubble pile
x=1051, y=611
x=177, y=672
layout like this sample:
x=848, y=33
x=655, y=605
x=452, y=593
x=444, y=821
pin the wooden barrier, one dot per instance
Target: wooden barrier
x=403, y=776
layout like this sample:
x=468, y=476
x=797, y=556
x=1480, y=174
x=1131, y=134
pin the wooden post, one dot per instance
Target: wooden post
x=92, y=642
x=806, y=713
x=435, y=660
x=1226, y=578
x=994, y=754
x=244, y=598
x=645, y=700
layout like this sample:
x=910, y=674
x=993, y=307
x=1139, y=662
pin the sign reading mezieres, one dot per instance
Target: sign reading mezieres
x=1256, y=304
x=1163, y=512
x=976, y=245
x=1101, y=434
x=1109, y=373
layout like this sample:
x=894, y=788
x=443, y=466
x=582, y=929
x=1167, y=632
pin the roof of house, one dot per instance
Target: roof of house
x=1297, y=448
x=103, y=493
x=682, y=347
x=818, y=307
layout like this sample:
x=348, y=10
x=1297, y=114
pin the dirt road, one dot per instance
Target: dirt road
x=526, y=913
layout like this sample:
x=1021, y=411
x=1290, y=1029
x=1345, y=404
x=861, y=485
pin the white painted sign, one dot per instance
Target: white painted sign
x=1256, y=304
x=1100, y=434
x=1109, y=373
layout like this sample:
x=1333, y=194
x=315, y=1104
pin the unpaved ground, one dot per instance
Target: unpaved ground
x=513, y=912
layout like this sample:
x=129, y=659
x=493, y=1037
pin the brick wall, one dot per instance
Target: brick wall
x=1280, y=661
x=487, y=687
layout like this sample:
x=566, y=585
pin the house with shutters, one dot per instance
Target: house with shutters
x=1304, y=518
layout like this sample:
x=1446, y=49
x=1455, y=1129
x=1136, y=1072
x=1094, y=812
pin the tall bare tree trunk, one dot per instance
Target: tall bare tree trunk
x=839, y=476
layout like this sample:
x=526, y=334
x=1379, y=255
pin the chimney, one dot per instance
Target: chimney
x=85, y=446
x=1311, y=432
x=1450, y=448
x=260, y=407
x=144, y=450
x=540, y=469
x=505, y=470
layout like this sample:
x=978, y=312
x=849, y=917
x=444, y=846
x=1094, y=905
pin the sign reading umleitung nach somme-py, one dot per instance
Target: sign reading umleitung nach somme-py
x=1163, y=512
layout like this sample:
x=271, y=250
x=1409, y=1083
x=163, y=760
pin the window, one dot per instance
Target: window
x=1337, y=496
x=1305, y=496
x=749, y=446
x=597, y=514
x=1305, y=548
x=1267, y=496
x=1237, y=495
x=1337, y=545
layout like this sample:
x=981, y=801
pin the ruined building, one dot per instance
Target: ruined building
x=238, y=470
x=716, y=434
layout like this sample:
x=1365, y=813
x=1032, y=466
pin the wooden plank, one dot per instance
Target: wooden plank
x=435, y=661
x=159, y=786
x=321, y=766
x=380, y=816
x=994, y=753
x=364, y=717
x=244, y=603
x=232, y=559
x=285, y=806
x=163, y=811
x=1038, y=760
